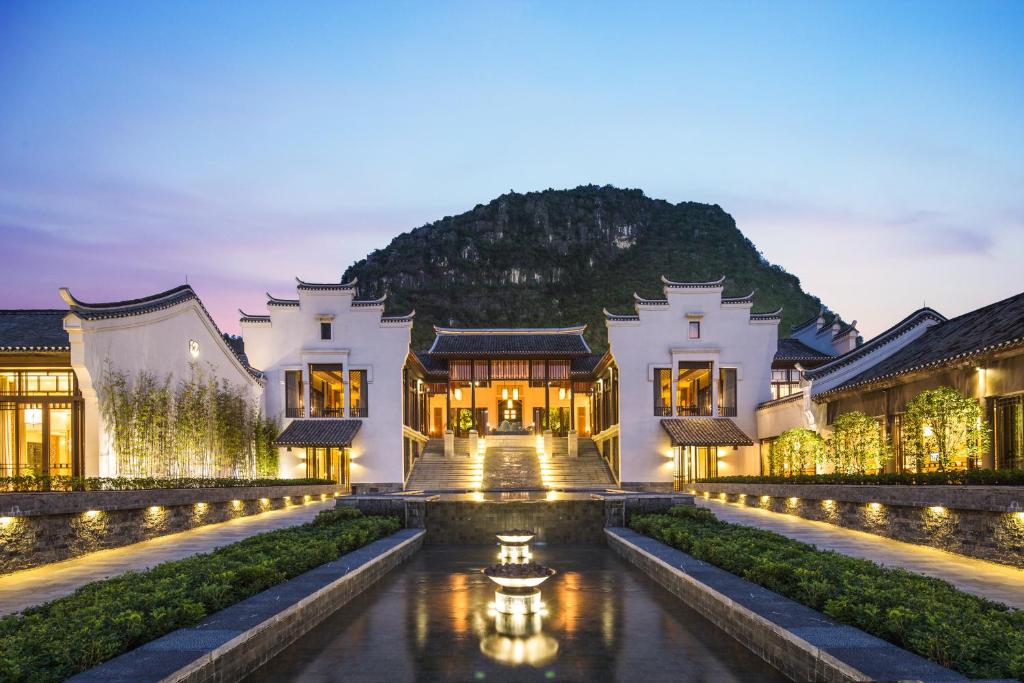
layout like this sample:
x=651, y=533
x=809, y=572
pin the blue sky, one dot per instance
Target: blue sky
x=876, y=150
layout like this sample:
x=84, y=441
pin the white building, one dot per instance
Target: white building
x=692, y=368
x=334, y=369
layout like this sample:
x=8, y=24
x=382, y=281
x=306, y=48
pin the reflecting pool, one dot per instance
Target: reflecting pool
x=434, y=619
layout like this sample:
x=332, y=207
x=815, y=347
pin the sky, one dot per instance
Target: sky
x=873, y=149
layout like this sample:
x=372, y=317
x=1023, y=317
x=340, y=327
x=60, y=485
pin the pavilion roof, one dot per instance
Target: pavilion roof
x=705, y=431
x=565, y=342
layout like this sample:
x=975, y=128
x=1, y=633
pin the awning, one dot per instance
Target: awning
x=705, y=431
x=319, y=433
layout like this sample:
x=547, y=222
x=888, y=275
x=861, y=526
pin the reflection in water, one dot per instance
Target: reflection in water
x=518, y=610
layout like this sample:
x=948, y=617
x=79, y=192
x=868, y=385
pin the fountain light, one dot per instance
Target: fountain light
x=515, y=536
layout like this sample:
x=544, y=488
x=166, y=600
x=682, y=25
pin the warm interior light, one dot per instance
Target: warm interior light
x=504, y=394
x=33, y=416
x=561, y=393
x=458, y=394
x=509, y=404
x=515, y=394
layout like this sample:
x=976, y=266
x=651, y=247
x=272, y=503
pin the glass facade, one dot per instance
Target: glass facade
x=727, y=392
x=693, y=389
x=326, y=391
x=294, y=393
x=1009, y=432
x=358, y=394
x=785, y=381
x=663, y=392
x=40, y=420
x=327, y=463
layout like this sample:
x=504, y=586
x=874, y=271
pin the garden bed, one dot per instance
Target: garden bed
x=948, y=478
x=106, y=618
x=65, y=484
x=974, y=636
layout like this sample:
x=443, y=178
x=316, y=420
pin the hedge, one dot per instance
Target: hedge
x=32, y=484
x=948, y=478
x=106, y=618
x=977, y=637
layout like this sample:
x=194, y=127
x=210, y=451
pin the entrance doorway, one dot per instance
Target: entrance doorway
x=511, y=413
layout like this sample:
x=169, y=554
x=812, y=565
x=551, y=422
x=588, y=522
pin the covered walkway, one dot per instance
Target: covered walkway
x=986, y=579
x=30, y=587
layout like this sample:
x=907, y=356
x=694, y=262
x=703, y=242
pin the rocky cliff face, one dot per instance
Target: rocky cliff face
x=557, y=257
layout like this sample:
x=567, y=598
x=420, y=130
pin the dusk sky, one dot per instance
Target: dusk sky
x=875, y=150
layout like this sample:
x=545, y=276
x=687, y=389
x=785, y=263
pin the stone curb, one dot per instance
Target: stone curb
x=232, y=643
x=803, y=644
x=981, y=498
x=33, y=504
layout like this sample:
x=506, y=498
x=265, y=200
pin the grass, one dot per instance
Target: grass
x=106, y=618
x=977, y=637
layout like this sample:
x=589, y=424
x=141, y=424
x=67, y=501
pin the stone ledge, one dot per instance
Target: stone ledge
x=231, y=644
x=75, y=502
x=983, y=498
x=803, y=644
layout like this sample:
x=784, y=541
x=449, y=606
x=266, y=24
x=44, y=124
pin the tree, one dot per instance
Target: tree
x=856, y=446
x=795, y=450
x=943, y=426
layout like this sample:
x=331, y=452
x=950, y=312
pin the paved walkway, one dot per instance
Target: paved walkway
x=987, y=579
x=34, y=586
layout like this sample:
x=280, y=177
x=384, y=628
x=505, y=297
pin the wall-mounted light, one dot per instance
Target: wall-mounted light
x=515, y=394
x=458, y=394
x=504, y=394
x=561, y=393
x=193, y=348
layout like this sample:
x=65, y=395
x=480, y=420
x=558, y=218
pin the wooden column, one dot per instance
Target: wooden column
x=448, y=407
x=547, y=398
x=472, y=394
x=572, y=405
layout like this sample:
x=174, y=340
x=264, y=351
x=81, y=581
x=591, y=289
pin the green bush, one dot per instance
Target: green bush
x=103, y=619
x=974, y=636
x=29, y=484
x=949, y=477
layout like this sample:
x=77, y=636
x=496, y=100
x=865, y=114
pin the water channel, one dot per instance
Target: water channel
x=433, y=619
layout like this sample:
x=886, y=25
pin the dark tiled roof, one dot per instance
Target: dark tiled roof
x=810, y=321
x=770, y=315
x=705, y=431
x=748, y=299
x=274, y=301
x=995, y=327
x=912, y=321
x=540, y=343
x=692, y=285
x=149, y=304
x=795, y=350
x=627, y=317
x=33, y=330
x=586, y=365
x=129, y=307
x=434, y=366
x=319, y=432
x=326, y=286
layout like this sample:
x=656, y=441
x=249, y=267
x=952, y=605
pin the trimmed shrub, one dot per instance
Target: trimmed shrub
x=947, y=478
x=977, y=637
x=103, y=619
x=30, y=484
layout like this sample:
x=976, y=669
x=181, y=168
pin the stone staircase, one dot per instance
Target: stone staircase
x=434, y=472
x=587, y=470
x=509, y=463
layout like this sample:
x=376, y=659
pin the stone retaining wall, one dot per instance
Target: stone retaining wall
x=39, y=528
x=233, y=643
x=802, y=643
x=980, y=521
x=577, y=520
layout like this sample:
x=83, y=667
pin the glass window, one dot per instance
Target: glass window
x=727, y=392
x=294, y=394
x=1009, y=430
x=358, y=394
x=693, y=389
x=694, y=329
x=662, y=391
x=325, y=330
x=785, y=381
x=326, y=391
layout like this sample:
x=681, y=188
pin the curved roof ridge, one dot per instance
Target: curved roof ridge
x=65, y=293
x=878, y=340
x=749, y=298
x=653, y=302
x=258, y=316
x=275, y=301
x=710, y=283
x=302, y=284
x=577, y=329
x=408, y=316
x=809, y=321
x=370, y=302
x=619, y=316
x=777, y=313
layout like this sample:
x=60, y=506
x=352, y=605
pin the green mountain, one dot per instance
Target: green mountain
x=558, y=257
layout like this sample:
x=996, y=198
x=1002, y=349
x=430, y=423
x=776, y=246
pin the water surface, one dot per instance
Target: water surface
x=429, y=620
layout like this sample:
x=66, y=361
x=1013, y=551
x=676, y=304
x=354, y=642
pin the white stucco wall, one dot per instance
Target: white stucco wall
x=729, y=338
x=156, y=342
x=361, y=340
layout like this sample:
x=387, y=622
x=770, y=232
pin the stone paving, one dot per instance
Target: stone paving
x=34, y=586
x=987, y=579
